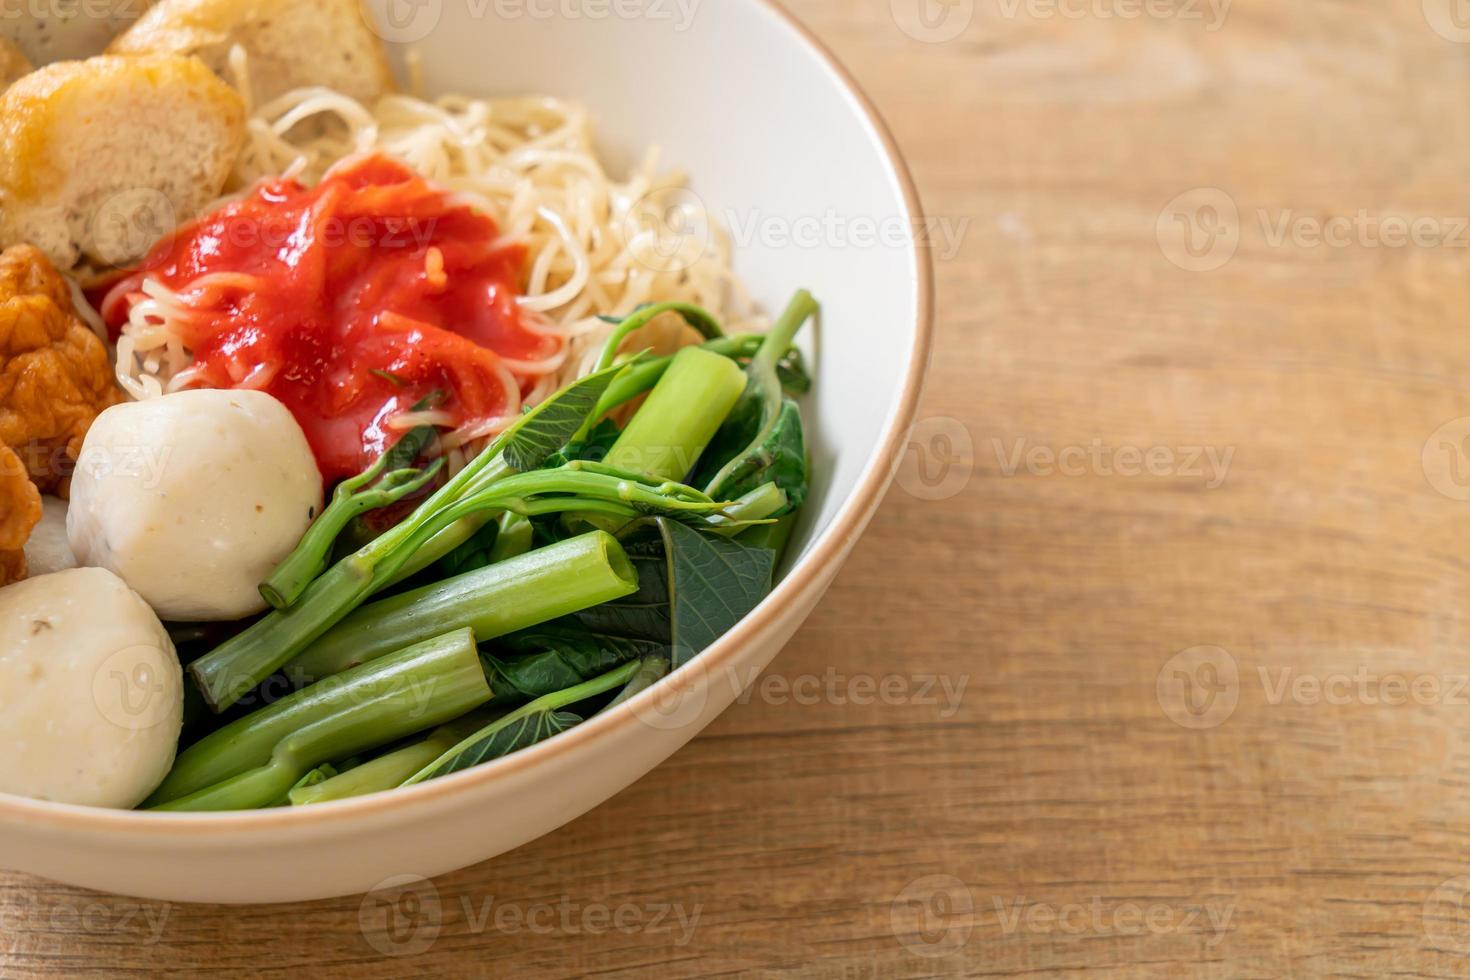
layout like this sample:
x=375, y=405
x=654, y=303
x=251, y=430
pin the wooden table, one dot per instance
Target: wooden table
x=1173, y=606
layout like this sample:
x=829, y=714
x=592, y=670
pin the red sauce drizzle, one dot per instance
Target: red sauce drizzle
x=349, y=301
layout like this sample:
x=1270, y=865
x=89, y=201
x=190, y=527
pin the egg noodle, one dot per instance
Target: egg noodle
x=596, y=247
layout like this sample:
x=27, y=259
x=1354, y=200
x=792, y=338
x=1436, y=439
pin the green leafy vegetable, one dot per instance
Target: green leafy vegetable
x=391, y=479
x=762, y=439
x=693, y=587
x=525, y=726
x=552, y=424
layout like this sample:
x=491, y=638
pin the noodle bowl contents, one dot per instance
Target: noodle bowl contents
x=400, y=396
x=352, y=302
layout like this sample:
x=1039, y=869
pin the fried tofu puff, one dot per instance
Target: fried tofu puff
x=20, y=510
x=55, y=376
x=54, y=379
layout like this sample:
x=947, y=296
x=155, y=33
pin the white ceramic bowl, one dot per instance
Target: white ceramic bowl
x=778, y=137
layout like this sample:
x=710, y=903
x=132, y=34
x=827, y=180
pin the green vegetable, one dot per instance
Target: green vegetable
x=494, y=600
x=757, y=507
x=686, y=408
x=514, y=538
x=696, y=316
x=371, y=490
x=525, y=726
x=235, y=667
x=256, y=760
x=762, y=440
x=643, y=374
x=772, y=537
x=651, y=670
x=692, y=588
x=521, y=447
x=389, y=770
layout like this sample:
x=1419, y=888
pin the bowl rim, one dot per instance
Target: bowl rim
x=807, y=575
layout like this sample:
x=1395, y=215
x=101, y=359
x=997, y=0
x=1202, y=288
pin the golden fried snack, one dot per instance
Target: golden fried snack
x=20, y=510
x=54, y=372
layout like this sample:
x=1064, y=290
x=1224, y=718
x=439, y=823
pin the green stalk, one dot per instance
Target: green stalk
x=696, y=316
x=290, y=579
x=547, y=703
x=515, y=538
x=642, y=376
x=229, y=671
x=255, y=761
x=390, y=770
x=763, y=399
x=758, y=505
x=681, y=416
x=541, y=585
x=651, y=670
x=774, y=536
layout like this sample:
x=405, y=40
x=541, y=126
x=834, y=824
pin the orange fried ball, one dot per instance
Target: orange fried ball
x=20, y=509
x=55, y=376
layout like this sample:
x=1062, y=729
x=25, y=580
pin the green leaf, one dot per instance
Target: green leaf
x=552, y=424
x=593, y=447
x=792, y=371
x=714, y=583
x=692, y=588
x=510, y=734
x=778, y=457
x=525, y=726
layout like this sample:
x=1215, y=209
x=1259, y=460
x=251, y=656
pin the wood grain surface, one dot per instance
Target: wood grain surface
x=1157, y=660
